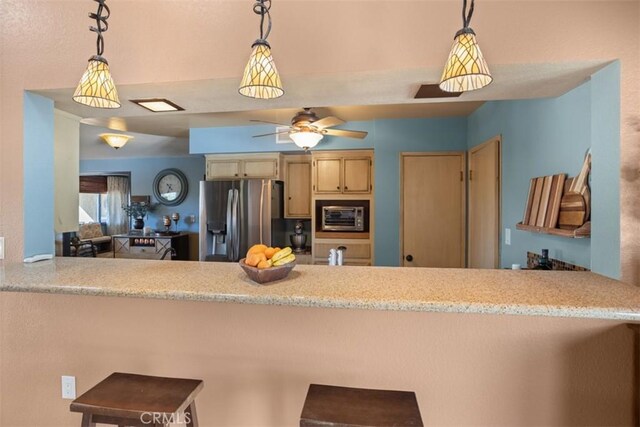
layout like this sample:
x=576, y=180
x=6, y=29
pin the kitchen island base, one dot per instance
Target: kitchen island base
x=258, y=360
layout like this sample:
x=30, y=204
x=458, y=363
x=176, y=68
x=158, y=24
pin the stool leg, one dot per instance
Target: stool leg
x=193, y=415
x=87, y=420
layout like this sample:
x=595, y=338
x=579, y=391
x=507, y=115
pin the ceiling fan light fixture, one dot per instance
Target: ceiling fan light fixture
x=465, y=69
x=306, y=139
x=96, y=88
x=116, y=140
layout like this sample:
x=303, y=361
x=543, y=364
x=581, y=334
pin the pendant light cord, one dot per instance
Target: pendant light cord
x=261, y=7
x=466, y=17
x=101, y=24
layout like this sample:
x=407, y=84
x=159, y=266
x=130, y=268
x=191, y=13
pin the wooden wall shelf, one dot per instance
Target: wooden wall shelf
x=578, y=233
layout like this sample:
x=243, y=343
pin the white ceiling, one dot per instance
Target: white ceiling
x=143, y=145
x=351, y=96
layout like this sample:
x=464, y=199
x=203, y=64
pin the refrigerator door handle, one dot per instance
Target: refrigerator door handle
x=261, y=221
x=229, y=236
x=236, y=226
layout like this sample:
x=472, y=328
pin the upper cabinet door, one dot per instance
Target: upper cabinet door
x=298, y=189
x=260, y=168
x=217, y=169
x=357, y=175
x=328, y=174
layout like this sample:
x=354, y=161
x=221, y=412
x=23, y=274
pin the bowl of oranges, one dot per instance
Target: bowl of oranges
x=265, y=264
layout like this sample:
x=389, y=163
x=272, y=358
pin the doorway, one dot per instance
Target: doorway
x=432, y=204
x=484, y=204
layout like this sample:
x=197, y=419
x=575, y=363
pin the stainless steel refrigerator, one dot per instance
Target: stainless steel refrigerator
x=237, y=214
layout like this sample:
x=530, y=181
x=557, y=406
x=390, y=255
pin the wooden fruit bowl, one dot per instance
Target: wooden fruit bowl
x=266, y=275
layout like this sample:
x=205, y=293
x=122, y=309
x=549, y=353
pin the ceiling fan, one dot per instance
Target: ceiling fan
x=306, y=129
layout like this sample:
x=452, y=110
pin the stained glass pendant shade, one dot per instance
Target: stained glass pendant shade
x=261, y=79
x=466, y=68
x=96, y=88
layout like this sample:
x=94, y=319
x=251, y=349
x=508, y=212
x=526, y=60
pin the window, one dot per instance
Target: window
x=94, y=208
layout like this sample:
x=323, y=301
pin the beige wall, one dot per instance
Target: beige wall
x=274, y=352
x=46, y=44
x=257, y=361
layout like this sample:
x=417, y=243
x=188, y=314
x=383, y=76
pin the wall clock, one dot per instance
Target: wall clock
x=170, y=187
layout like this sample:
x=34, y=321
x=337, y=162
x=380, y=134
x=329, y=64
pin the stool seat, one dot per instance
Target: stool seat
x=131, y=400
x=328, y=405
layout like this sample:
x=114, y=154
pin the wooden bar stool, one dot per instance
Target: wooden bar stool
x=139, y=400
x=328, y=405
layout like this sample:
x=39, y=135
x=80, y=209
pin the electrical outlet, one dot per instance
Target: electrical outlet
x=507, y=236
x=1, y=247
x=68, y=387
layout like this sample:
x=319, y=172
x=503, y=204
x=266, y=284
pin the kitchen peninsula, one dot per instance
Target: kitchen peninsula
x=537, y=293
x=425, y=330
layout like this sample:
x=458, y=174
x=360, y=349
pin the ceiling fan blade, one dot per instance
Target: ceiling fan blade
x=272, y=133
x=271, y=123
x=327, y=122
x=346, y=133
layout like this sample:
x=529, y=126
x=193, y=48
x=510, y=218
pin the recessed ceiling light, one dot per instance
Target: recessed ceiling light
x=157, y=105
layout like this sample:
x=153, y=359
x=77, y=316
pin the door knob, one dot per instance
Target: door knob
x=409, y=258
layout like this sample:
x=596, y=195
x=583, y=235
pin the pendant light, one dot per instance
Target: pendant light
x=115, y=140
x=261, y=79
x=466, y=68
x=96, y=88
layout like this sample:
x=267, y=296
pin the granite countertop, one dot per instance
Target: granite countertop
x=536, y=293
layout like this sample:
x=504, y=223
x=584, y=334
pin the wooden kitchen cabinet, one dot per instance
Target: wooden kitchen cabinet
x=346, y=172
x=328, y=175
x=297, y=201
x=357, y=175
x=260, y=168
x=361, y=251
x=225, y=166
x=220, y=169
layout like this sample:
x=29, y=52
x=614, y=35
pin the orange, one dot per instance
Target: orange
x=264, y=264
x=256, y=249
x=255, y=259
x=270, y=252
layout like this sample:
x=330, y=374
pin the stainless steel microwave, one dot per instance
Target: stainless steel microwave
x=343, y=218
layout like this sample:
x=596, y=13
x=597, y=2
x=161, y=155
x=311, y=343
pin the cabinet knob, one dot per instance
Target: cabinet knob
x=235, y=174
x=289, y=197
x=409, y=258
x=338, y=187
x=245, y=174
x=346, y=188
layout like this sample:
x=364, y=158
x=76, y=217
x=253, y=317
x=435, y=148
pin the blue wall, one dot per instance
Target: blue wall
x=387, y=137
x=539, y=137
x=605, y=143
x=38, y=172
x=144, y=170
x=549, y=136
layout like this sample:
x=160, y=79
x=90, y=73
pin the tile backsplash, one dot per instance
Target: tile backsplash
x=532, y=261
